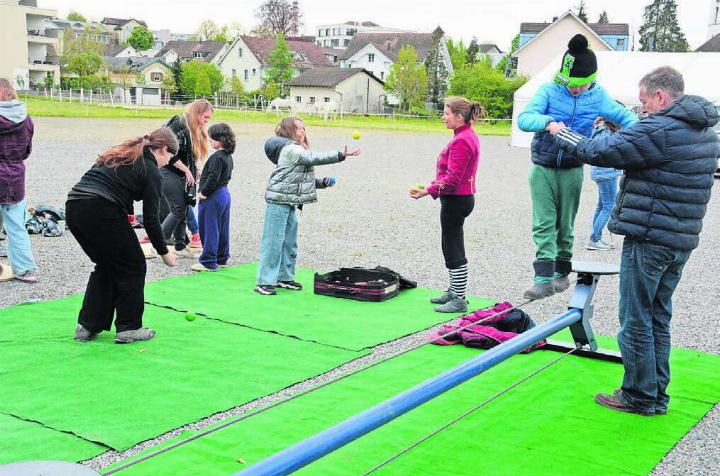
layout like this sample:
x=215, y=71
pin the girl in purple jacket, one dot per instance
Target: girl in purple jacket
x=455, y=185
x=16, y=132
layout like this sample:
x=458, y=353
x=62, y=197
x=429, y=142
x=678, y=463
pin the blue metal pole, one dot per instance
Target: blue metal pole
x=317, y=446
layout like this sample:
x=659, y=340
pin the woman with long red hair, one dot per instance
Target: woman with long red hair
x=96, y=213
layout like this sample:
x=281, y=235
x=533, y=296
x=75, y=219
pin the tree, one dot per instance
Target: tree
x=437, y=74
x=407, y=79
x=581, y=12
x=603, y=18
x=485, y=84
x=279, y=63
x=277, y=17
x=458, y=53
x=207, y=30
x=141, y=38
x=85, y=65
x=472, y=51
x=76, y=16
x=200, y=78
x=502, y=65
x=660, y=30
x=168, y=85
x=236, y=86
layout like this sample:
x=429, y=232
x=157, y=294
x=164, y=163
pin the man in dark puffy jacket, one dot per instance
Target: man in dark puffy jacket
x=669, y=159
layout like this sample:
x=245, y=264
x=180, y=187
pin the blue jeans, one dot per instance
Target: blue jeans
x=214, y=214
x=278, y=247
x=192, y=222
x=649, y=274
x=19, y=251
x=607, y=190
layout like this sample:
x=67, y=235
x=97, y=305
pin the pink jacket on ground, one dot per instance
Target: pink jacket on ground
x=457, y=165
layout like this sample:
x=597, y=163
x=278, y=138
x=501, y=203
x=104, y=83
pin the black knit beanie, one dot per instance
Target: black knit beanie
x=579, y=65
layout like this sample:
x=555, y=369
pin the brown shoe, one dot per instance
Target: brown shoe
x=614, y=402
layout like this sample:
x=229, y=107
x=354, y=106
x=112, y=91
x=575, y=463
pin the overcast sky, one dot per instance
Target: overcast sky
x=495, y=21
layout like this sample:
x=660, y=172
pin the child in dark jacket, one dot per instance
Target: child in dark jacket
x=214, y=208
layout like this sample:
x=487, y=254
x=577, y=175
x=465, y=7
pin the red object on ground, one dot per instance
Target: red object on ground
x=195, y=241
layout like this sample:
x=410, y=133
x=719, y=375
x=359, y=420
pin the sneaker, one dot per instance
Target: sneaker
x=265, y=290
x=144, y=239
x=540, y=291
x=195, y=242
x=658, y=411
x=561, y=283
x=128, y=337
x=83, y=335
x=615, y=402
x=199, y=267
x=223, y=265
x=292, y=285
x=6, y=273
x=185, y=253
x=455, y=305
x=442, y=299
x=599, y=245
x=29, y=276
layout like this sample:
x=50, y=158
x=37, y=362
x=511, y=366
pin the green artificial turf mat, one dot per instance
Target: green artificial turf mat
x=26, y=440
x=345, y=323
x=547, y=425
x=120, y=395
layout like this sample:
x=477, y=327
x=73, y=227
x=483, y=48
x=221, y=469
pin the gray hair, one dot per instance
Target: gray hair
x=665, y=78
x=7, y=91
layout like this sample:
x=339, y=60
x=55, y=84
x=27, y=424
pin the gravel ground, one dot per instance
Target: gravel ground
x=367, y=219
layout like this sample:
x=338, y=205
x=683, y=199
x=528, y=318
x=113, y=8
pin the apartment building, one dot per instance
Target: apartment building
x=339, y=35
x=29, y=55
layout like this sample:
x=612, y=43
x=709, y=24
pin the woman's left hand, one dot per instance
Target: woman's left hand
x=350, y=152
x=418, y=192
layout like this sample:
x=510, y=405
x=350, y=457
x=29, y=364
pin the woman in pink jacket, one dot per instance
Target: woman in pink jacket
x=455, y=185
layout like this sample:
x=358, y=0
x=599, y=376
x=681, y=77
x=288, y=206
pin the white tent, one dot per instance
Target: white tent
x=619, y=72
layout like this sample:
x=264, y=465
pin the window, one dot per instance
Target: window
x=320, y=32
x=382, y=75
x=198, y=54
x=150, y=91
x=312, y=99
x=298, y=99
x=327, y=42
x=327, y=31
x=234, y=72
x=620, y=44
x=245, y=75
x=351, y=31
x=335, y=42
x=156, y=77
x=371, y=58
x=327, y=99
x=346, y=42
x=254, y=72
x=240, y=52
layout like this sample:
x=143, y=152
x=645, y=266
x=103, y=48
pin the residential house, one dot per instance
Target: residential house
x=120, y=50
x=333, y=55
x=492, y=51
x=208, y=51
x=28, y=55
x=714, y=19
x=247, y=58
x=121, y=27
x=339, y=35
x=138, y=78
x=541, y=43
x=352, y=89
x=376, y=52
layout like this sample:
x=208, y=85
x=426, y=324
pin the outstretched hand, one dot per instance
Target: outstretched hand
x=416, y=192
x=350, y=152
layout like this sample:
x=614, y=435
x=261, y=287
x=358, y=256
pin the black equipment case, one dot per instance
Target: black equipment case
x=361, y=284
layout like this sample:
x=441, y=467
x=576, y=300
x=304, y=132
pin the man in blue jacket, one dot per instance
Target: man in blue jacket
x=556, y=177
x=669, y=159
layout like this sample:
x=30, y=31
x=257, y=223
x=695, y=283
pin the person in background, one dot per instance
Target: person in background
x=454, y=184
x=96, y=213
x=16, y=133
x=606, y=179
x=214, y=207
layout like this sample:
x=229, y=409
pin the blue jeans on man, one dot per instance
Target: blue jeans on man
x=649, y=274
x=607, y=190
x=278, y=247
x=19, y=250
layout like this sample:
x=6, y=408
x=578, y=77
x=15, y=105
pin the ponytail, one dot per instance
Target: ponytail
x=132, y=150
x=471, y=111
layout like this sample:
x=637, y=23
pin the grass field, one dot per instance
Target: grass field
x=43, y=107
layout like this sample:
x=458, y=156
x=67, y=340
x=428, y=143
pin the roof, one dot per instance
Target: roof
x=121, y=21
x=137, y=63
x=327, y=77
x=487, y=48
x=577, y=19
x=187, y=49
x=599, y=28
x=390, y=44
x=711, y=45
x=113, y=49
x=307, y=55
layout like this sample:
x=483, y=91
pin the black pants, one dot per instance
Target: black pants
x=173, y=189
x=454, y=209
x=117, y=285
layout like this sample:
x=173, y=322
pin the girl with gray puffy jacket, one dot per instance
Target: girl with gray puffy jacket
x=292, y=184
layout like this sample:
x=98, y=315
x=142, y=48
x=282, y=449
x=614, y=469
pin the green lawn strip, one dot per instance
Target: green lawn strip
x=547, y=425
x=27, y=440
x=40, y=107
x=345, y=323
x=120, y=395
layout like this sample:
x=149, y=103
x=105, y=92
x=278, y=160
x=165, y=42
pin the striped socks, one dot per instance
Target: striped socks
x=458, y=280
